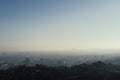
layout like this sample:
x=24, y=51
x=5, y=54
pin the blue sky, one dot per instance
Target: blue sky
x=50, y=25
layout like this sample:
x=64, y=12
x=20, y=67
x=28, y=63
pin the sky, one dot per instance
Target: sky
x=59, y=25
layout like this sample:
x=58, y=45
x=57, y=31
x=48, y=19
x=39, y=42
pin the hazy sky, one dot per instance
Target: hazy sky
x=35, y=25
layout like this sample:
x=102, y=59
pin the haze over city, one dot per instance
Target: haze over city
x=59, y=25
x=59, y=39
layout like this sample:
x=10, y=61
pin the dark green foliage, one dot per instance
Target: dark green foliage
x=93, y=71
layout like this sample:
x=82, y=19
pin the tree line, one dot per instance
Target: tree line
x=86, y=71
